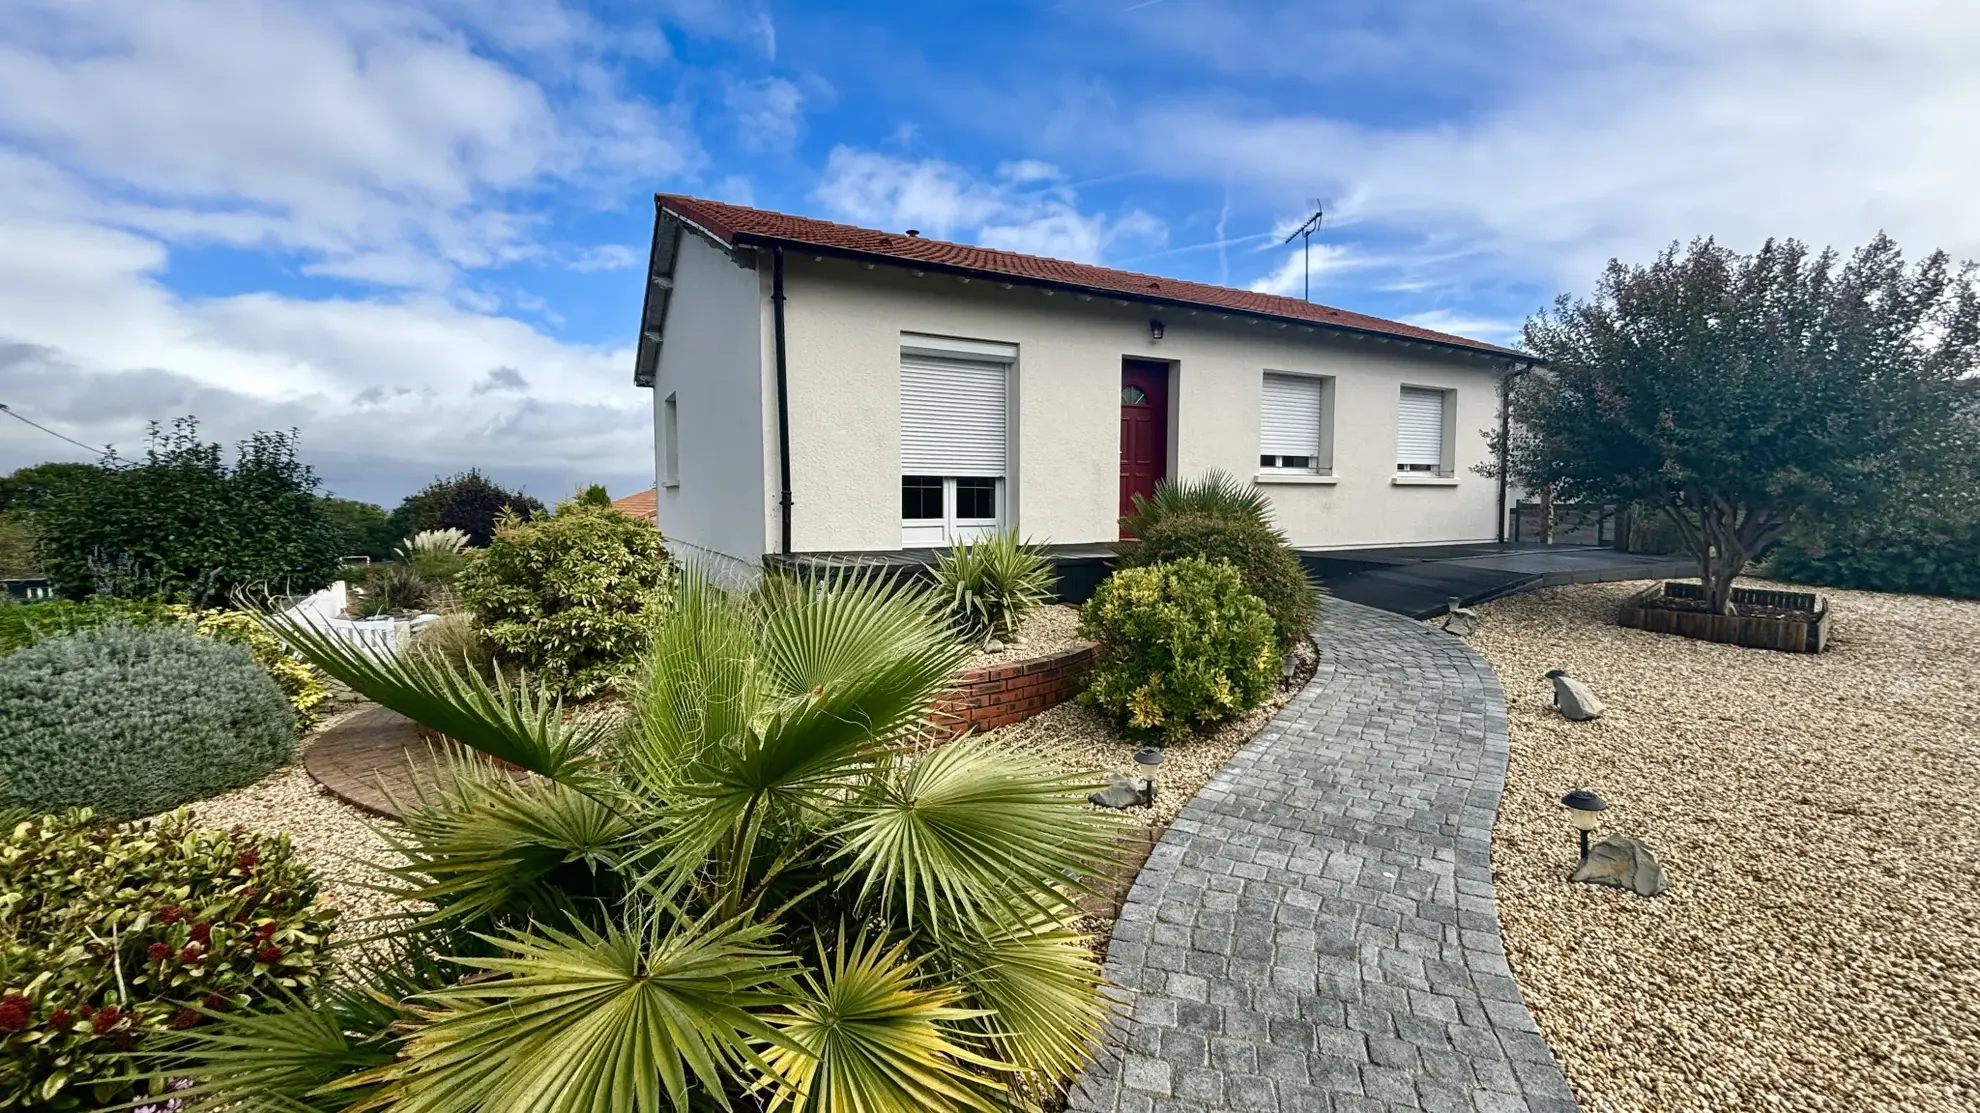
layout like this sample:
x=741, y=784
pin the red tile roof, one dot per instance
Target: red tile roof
x=734, y=223
x=642, y=505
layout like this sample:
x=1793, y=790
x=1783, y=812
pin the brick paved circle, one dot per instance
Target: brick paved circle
x=1315, y=931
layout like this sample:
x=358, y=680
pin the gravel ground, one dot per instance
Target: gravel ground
x=1044, y=632
x=337, y=839
x=1819, y=946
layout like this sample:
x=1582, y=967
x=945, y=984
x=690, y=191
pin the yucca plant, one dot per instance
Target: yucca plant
x=1214, y=493
x=989, y=585
x=750, y=891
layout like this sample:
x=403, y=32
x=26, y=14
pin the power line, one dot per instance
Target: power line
x=9, y=411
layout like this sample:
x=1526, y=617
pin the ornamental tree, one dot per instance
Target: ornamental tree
x=1745, y=394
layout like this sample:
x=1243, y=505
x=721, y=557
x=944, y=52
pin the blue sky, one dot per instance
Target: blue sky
x=414, y=230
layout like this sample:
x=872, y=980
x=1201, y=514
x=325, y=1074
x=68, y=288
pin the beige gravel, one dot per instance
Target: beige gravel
x=337, y=839
x=1819, y=818
x=1044, y=632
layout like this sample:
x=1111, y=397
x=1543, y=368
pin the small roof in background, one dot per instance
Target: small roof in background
x=645, y=504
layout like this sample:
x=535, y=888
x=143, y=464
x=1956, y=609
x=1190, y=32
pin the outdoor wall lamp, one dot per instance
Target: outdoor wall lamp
x=1585, y=812
x=1155, y=330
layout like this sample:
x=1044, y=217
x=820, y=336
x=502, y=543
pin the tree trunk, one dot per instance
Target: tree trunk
x=1546, y=515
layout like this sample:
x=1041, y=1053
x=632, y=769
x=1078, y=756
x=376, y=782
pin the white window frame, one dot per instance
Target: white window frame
x=670, y=438
x=1321, y=462
x=949, y=528
x=1445, y=467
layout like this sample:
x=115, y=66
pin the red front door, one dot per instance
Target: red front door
x=1144, y=429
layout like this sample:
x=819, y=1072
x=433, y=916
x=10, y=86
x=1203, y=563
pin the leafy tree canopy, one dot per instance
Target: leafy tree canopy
x=595, y=495
x=28, y=488
x=362, y=528
x=469, y=501
x=1744, y=394
x=184, y=526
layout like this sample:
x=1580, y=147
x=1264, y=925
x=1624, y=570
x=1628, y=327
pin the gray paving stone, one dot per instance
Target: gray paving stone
x=1316, y=930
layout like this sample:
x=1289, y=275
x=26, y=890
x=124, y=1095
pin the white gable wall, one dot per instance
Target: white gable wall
x=712, y=361
x=844, y=325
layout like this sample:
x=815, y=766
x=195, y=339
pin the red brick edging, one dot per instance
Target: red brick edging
x=999, y=695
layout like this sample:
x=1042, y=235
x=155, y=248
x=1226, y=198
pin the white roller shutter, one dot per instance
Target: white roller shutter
x=1289, y=417
x=1420, y=429
x=953, y=416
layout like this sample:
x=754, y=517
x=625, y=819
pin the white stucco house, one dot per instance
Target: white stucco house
x=824, y=389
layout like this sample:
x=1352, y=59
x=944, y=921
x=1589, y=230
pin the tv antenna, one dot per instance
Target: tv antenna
x=1305, y=234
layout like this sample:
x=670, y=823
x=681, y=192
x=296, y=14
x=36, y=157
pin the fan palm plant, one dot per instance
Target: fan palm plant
x=751, y=891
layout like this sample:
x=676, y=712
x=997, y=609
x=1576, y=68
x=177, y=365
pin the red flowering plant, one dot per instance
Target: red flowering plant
x=113, y=937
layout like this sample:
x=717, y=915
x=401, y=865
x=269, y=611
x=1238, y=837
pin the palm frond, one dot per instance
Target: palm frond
x=279, y=1058
x=973, y=833
x=870, y=1038
x=583, y=1021
x=1040, y=981
x=832, y=676
x=520, y=724
x=1214, y=493
x=488, y=846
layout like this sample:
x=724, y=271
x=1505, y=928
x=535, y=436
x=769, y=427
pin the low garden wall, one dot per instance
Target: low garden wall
x=999, y=695
x=1805, y=629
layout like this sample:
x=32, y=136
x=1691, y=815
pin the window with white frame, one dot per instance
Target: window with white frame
x=670, y=442
x=1423, y=422
x=1295, y=425
x=955, y=428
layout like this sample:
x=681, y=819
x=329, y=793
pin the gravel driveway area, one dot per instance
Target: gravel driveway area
x=1819, y=819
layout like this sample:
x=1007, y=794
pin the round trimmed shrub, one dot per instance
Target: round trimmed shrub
x=572, y=597
x=1182, y=646
x=133, y=720
x=1270, y=570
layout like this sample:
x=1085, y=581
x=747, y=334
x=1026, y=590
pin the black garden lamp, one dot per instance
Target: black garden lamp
x=1148, y=757
x=1585, y=812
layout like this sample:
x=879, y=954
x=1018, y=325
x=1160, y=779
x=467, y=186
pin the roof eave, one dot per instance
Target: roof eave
x=755, y=239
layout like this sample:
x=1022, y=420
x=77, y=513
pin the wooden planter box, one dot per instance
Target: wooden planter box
x=1791, y=635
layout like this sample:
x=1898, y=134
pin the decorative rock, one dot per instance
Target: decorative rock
x=993, y=646
x=1624, y=863
x=1124, y=792
x=1573, y=699
x=1460, y=619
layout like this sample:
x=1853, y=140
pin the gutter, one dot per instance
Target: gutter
x=776, y=244
x=783, y=400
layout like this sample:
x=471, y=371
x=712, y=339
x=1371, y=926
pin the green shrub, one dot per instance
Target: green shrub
x=1182, y=645
x=1914, y=555
x=988, y=586
x=184, y=526
x=1270, y=570
x=437, y=555
x=361, y=528
x=28, y=623
x=18, y=540
x=388, y=588
x=133, y=720
x=1214, y=493
x=571, y=597
x=453, y=639
x=304, y=687
x=112, y=939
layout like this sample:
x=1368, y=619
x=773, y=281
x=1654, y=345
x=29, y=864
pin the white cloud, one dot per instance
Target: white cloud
x=386, y=393
x=370, y=138
x=1612, y=130
x=607, y=257
x=1290, y=277
x=1026, y=209
x=768, y=113
x=366, y=141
